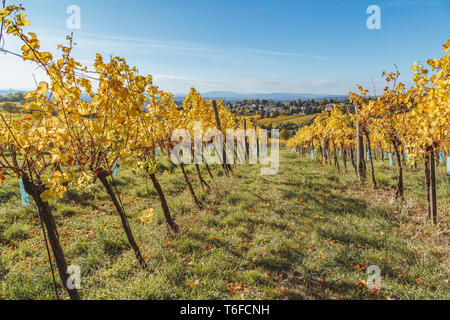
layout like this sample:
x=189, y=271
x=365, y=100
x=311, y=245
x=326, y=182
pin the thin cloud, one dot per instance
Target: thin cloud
x=291, y=54
x=106, y=41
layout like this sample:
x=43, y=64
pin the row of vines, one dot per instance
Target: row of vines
x=411, y=124
x=63, y=141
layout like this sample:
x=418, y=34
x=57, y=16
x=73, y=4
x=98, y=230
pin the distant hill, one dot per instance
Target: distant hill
x=5, y=92
x=233, y=96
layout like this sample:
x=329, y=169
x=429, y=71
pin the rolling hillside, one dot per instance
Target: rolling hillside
x=296, y=119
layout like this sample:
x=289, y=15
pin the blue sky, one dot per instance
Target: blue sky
x=248, y=46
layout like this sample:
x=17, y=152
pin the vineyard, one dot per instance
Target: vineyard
x=295, y=119
x=411, y=125
x=91, y=183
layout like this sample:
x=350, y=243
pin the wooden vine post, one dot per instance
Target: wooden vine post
x=359, y=150
x=226, y=167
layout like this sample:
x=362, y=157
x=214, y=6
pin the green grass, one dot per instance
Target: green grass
x=307, y=233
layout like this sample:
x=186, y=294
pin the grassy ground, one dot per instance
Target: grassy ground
x=7, y=104
x=307, y=233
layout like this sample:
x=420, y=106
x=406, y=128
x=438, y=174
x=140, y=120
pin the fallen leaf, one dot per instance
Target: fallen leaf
x=195, y=283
